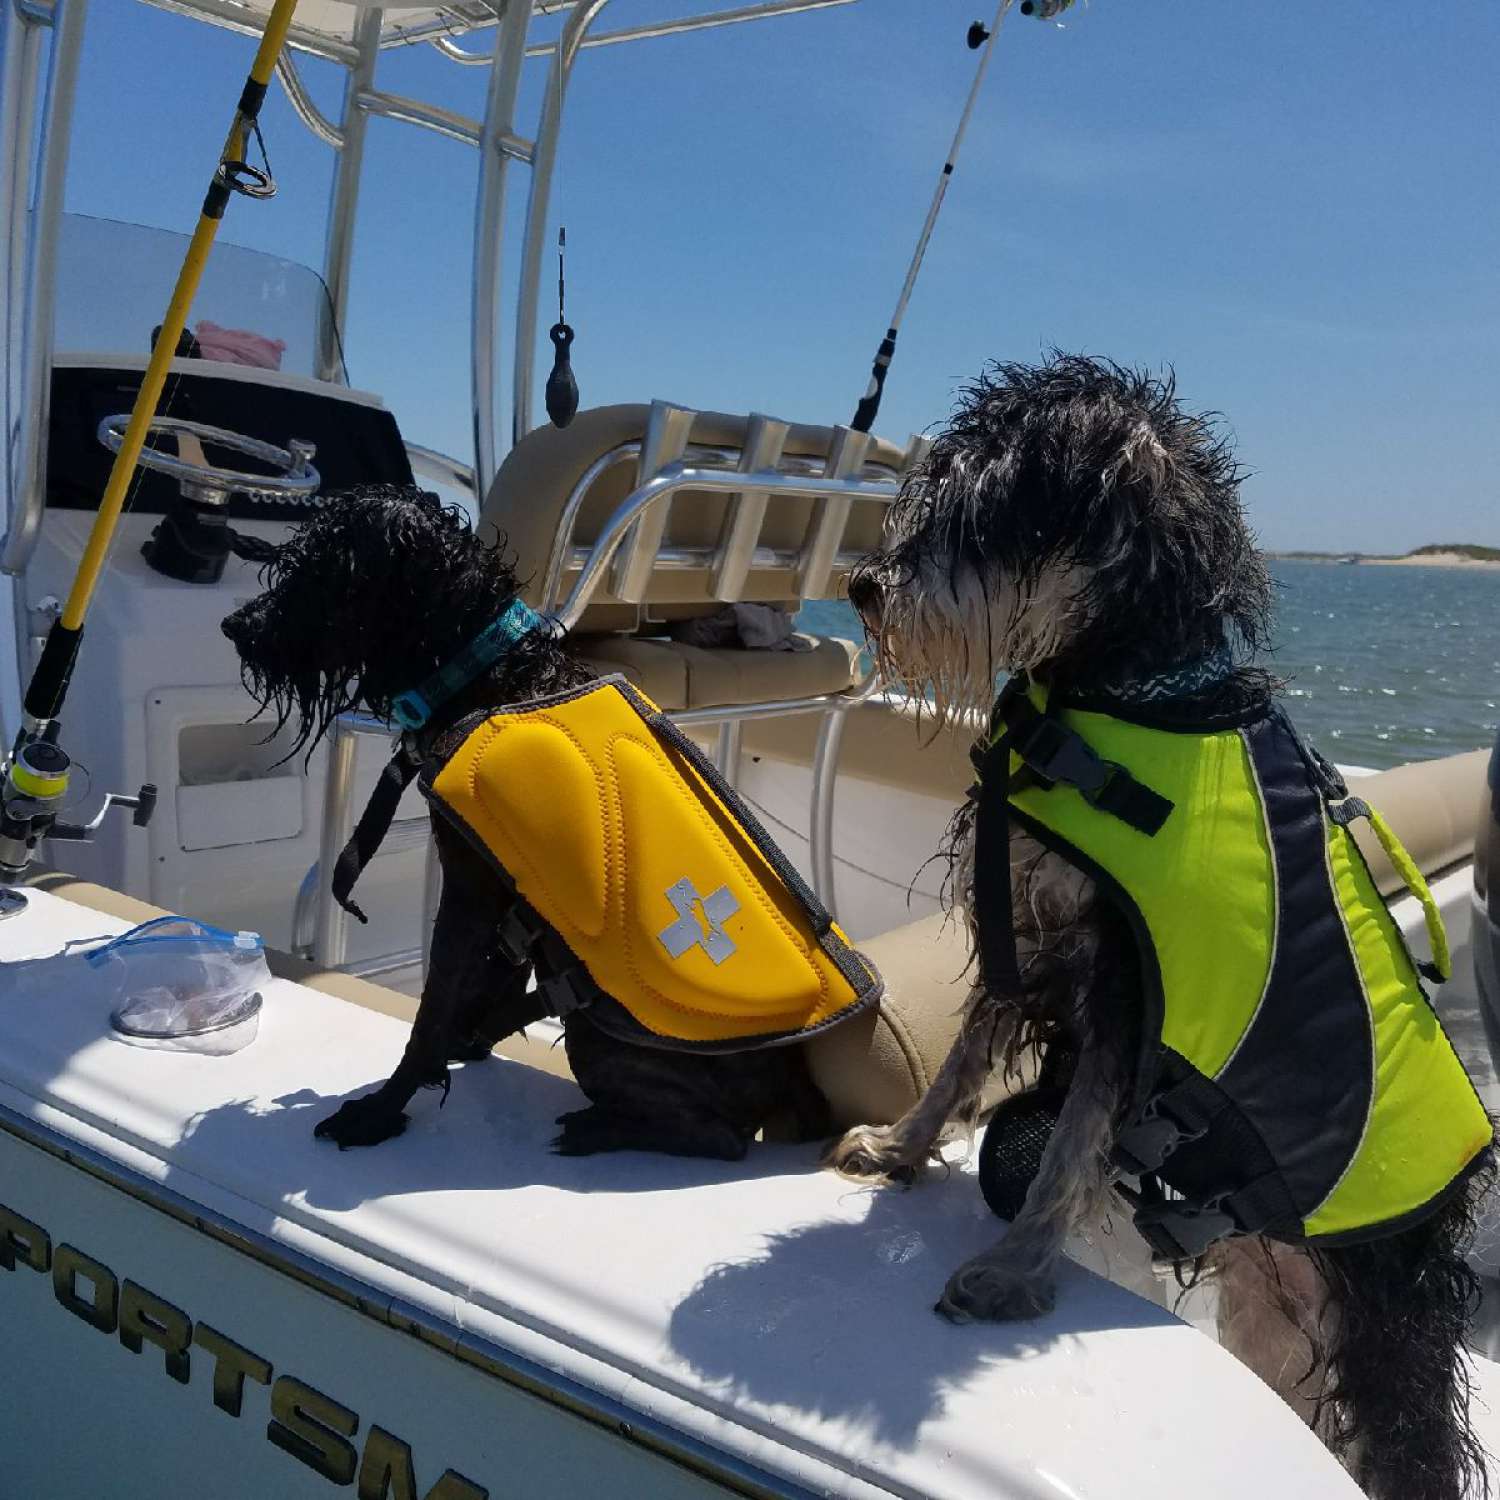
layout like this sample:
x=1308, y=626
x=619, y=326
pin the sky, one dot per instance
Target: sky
x=1297, y=207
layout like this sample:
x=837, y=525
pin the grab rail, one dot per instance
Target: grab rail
x=630, y=542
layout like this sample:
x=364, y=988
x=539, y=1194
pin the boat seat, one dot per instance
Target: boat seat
x=872, y=1069
x=876, y=1066
x=677, y=676
x=1430, y=805
x=558, y=487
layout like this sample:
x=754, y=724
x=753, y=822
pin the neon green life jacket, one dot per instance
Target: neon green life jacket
x=1294, y=1079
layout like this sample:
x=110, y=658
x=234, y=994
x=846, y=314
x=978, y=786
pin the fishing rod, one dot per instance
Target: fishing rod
x=36, y=773
x=979, y=36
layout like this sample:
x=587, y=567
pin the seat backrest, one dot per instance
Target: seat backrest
x=692, y=550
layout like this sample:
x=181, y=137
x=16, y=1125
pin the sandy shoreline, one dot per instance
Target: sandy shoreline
x=1426, y=560
x=1433, y=560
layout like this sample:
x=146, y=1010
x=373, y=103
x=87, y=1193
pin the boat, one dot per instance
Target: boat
x=196, y=1294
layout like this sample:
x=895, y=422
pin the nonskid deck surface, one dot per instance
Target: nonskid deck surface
x=790, y=1306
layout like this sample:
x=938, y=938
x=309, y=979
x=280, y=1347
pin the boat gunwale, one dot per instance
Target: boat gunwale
x=465, y=1346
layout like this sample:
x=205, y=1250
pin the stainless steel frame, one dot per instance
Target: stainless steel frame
x=27, y=478
x=631, y=541
x=662, y=469
x=302, y=104
x=348, y=168
x=489, y=229
x=543, y=166
x=710, y=20
x=20, y=68
x=441, y=467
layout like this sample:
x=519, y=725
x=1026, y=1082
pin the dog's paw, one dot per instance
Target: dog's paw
x=870, y=1154
x=475, y=1049
x=585, y=1132
x=986, y=1290
x=361, y=1122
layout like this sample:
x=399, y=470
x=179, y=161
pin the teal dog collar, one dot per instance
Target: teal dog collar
x=413, y=709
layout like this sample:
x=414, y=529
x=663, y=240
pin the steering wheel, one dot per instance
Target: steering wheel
x=297, y=479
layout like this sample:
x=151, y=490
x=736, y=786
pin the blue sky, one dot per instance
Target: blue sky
x=1296, y=206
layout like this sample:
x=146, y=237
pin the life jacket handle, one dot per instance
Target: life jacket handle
x=1343, y=814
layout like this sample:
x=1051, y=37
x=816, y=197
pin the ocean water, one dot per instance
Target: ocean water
x=1384, y=665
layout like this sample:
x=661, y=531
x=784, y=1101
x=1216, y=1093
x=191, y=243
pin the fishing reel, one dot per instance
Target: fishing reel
x=34, y=790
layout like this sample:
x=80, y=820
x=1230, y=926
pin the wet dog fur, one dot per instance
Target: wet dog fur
x=1074, y=521
x=369, y=598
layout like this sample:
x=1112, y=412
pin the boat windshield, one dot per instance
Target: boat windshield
x=114, y=279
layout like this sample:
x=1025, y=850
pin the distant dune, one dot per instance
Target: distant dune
x=1434, y=555
x=1445, y=555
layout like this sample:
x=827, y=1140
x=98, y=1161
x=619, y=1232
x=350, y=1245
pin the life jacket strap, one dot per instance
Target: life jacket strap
x=1058, y=754
x=1441, y=968
x=1182, y=1229
x=1182, y=1113
x=374, y=823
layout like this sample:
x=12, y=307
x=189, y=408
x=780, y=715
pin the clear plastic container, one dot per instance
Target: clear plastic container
x=182, y=985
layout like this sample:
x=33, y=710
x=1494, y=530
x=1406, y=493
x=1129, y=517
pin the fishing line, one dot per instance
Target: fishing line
x=979, y=37
x=562, y=385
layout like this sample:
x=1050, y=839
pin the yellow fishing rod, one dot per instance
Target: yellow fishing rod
x=36, y=773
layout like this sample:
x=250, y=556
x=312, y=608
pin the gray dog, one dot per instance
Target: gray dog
x=1163, y=897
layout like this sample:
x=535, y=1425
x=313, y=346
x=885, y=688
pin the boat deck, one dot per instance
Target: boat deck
x=766, y=1309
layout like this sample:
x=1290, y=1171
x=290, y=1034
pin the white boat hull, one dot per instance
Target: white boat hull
x=158, y=1349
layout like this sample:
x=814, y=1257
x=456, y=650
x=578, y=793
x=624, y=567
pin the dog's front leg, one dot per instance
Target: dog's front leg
x=894, y=1152
x=460, y=975
x=1017, y=1278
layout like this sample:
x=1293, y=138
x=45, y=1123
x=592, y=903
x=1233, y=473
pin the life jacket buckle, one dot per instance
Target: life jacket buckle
x=516, y=934
x=1056, y=754
x=1178, y=1230
x=1095, y=794
x=1141, y=1148
x=567, y=991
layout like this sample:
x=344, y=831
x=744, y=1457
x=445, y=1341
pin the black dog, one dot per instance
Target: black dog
x=380, y=590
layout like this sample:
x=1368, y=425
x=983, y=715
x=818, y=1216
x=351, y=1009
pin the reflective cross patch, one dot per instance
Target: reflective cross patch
x=687, y=932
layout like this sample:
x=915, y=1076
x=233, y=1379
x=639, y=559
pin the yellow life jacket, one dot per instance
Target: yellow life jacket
x=1294, y=1078
x=634, y=860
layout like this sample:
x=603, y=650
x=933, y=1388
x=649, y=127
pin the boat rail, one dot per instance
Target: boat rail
x=629, y=546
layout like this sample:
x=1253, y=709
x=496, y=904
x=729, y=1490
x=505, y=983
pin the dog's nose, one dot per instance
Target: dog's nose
x=240, y=625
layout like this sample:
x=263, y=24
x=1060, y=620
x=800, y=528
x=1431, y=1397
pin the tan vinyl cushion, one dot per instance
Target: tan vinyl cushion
x=526, y=501
x=873, y=1068
x=722, y=677
x=883, y=744
x=1486, y=845
x=1430, y=806
x=657, y=668
x=675, y=676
